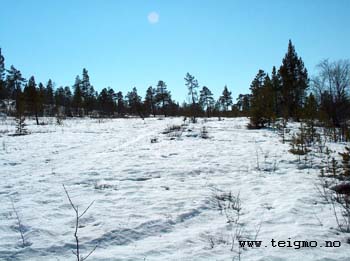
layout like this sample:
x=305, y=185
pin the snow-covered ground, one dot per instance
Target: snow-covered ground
x=158, y=200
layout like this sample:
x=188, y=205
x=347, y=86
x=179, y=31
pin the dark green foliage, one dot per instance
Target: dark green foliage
x=294, y=82
x=49, y=93
x=88, y=93
x=3, y=92
x=243, y=104
x=32, y=98
x=150, y=101
x=134, y=102
x=106, y=99
x=163, y=97
x=206, y=100
x=192, y=85
x=225, y=99
x=20, y=119
x=262, y=102
x=120, y=104
x=300, y=142
x=14, y=83
x=78, y=97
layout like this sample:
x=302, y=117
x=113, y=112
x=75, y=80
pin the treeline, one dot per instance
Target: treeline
x=38, y=99
x=286, y=93
x=289, y=93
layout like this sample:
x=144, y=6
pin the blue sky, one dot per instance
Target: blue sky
x=220, y=42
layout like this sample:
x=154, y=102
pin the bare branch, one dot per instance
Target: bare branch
x=20, y=228
x=77, y=219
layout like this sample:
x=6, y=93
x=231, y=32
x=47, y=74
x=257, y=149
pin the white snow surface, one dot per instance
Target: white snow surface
x=155, y=201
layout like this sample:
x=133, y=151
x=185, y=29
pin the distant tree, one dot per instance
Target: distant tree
x=32, y=98
x=257, y=110
x=332, y=86
x=163, y=97
x=268, y=100
x=192, y=85
x=276, y=91
x=20, y=119
x=41, y=98
x=310, y=108
x=150, y=101
x=14, y=83
x=106, y=100
x=87, y=92
x=3, y=92
x=120, y=104
x=206, y=100
x=77, y=96
x=134, y=102
x=225, y=99
x=243, y=103
x=294, y=82
x=68, y=101
x=49, y=99
x=173, y=108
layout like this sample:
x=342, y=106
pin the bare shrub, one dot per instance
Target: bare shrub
x=78, y=216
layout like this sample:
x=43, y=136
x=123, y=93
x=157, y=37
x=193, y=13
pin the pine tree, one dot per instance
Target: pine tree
x=14, y=83
x=3, y=93
x=41, y=98
x=257, y=119
x=68, y=101
x=243, y=104
x=134, y=102
x=225, y=99
x=150, y=101
x=120, y=104
x=49, y=93
x=106, y=100
x=32, y=98
x=87, y=92
x=20, y=119
x=77, y=96
x=163, y=97
x=192, y=85
x=276, y=88
x=206, y=100
x=294, y=82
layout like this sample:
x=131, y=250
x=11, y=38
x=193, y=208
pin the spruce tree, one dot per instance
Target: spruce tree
x=257, y=119
x=294, y=82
